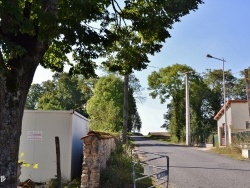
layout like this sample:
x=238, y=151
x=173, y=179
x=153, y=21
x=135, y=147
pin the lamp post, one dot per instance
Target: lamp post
x=224, y=94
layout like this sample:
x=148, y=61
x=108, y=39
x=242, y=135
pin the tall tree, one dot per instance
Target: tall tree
x=205, y=99
x=134, y=120
x=234, y=86
x=105, y=107
x=131, y=49
x=168, y=83
x=43, y=32
x=202, y=112
x=35, y=92
x=64, y=92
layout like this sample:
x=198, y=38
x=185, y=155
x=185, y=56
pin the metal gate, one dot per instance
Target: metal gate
x=151, y=168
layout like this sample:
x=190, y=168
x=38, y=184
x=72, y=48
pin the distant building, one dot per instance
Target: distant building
x=160, y=134
x=237, y=117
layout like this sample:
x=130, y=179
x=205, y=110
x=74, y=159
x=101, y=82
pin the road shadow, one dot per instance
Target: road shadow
x=210, y=168
x=139, y=139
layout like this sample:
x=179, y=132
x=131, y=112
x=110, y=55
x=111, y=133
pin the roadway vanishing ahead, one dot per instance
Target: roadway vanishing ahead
x=193, y=168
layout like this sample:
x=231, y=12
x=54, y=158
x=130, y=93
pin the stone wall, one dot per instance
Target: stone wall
x=96, y=151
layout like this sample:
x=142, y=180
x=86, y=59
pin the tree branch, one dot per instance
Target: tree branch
x=118, y=12
x=50, y=6
x=2, y=65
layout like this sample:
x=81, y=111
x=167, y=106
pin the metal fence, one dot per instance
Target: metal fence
x=155, y=166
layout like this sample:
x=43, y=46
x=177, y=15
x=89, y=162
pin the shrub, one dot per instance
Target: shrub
x=174, y=139
x=118, y=172
x=210, y=139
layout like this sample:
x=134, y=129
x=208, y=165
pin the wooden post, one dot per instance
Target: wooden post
x=58, y=163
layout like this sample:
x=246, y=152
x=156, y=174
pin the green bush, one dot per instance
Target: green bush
x=118, y=173
x=75, y=183
x=210, y=139
x=118, y=170
x=174, y=139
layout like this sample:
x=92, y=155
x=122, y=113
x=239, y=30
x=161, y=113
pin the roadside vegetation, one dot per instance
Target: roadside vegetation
x=205, y=97
x=233, y=152
x=72, y=184
x=52, y=183
x=118, y=173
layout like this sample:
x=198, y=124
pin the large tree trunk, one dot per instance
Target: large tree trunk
x=14, y=86
x=16, y=75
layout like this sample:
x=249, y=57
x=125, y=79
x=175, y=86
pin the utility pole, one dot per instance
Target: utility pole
x=188, y=135
x=247, y=91
x=125, y=109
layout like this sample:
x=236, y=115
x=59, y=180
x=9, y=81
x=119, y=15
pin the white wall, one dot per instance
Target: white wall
x=79, y=129
x=41, y=149
x=239, y=115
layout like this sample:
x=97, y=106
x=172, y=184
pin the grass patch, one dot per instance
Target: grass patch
x=118, y=173
x=233, y=152
x=144, y=183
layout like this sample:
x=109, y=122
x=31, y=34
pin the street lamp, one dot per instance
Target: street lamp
x=224, y=94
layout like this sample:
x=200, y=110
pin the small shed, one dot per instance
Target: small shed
x=237, y=117
x=37, y=144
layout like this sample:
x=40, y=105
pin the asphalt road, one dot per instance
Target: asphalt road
x=193, y=168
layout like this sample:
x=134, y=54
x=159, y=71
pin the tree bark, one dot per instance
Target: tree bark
x=125, y=110
x=14, y=86
x=16, y=75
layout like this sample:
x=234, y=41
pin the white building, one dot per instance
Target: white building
x=37, y=144
x=237, y=116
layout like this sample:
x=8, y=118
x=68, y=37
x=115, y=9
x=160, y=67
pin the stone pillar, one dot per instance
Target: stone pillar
x=97, y=149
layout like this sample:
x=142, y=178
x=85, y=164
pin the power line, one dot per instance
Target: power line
x=154, y=67
x=203, y=73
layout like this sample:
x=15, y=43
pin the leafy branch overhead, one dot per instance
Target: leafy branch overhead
x=89, y=29
x=55, y=33
x=142, y=28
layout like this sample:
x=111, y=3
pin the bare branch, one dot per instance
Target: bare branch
x=118, y=12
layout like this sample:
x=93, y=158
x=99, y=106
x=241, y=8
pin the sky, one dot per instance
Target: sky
x=219, y=27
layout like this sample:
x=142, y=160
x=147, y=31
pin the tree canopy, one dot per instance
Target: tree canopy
x=64, y=92
x=105, y=107
x=86, y=28
x=205, y=95
x=168, y=83
x=56, y=33
x=235, y=87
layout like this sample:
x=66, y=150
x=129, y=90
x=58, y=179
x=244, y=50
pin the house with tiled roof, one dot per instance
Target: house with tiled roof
x=237, y=118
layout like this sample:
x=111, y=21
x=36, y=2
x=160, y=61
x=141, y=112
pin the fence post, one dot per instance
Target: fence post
x=58, y=163
x=134, y=175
